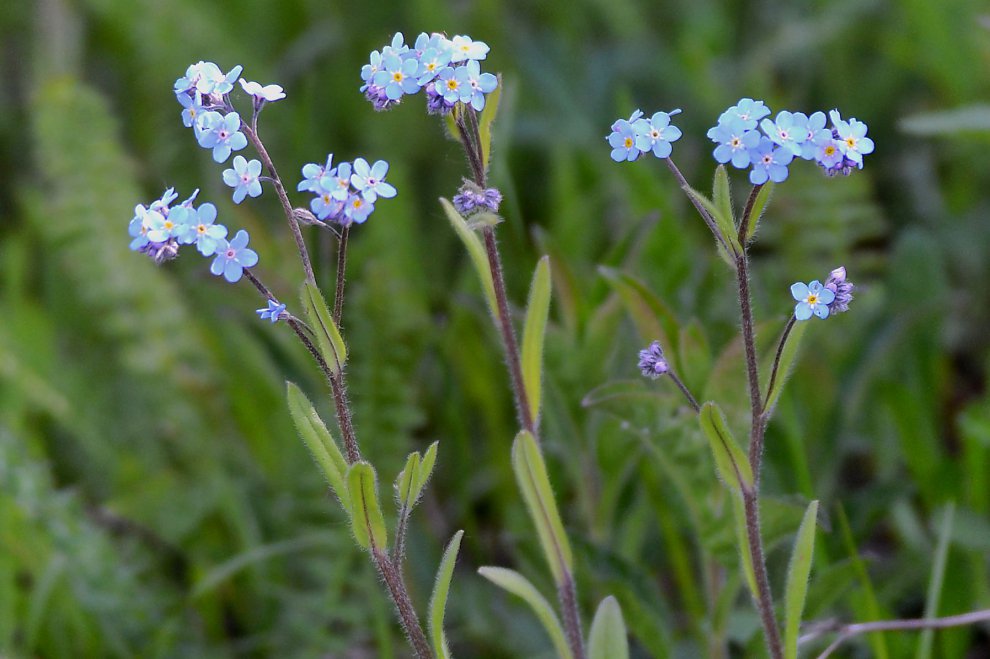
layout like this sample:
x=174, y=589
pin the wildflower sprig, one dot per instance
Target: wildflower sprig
x=746, y=138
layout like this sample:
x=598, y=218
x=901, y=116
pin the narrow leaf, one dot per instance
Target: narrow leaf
x=451, y=120
x=534, y=332
x=786, y=365
x=722, y=198
x=531, y=475
x=479, y=257
x=936, y=580
x=607, y=638
x=328, y=339
x=730, y=461
x=366, y=519
x=487, y=119
x=518, y=585
x=797, y=580
x=438, y=601
x=723, y=225
x=759, y=207
x=320, y=443
x=406, y=483
x=426, y=465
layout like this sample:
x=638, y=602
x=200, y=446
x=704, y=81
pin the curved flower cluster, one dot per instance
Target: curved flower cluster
x=471, y=198
x=346, y=193
x=822, y=300
x=160, y=229
x=630, y=138
x=652, y=363
x=204, y=94
x=746, y=137
x=447, y=70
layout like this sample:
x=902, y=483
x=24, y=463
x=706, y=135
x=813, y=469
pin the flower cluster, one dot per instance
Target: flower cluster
x=447, y=70
x=471, y=198
x=346, y=193
x=160, y=229
x=822, y=300
x=204, y=94
x=630, y=138
x=652, y=363
x=746, y=137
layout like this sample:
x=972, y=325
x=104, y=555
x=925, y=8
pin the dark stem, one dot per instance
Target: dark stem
x=763, y=596
x=705, y=215
x=687, y=394
x=399, y=553
x=508, y=334
x=403, y=604
x=567, y=595
x=776, y=365
x=252, y=134
x=748, y=213
x=471, y=140
x=338, y=298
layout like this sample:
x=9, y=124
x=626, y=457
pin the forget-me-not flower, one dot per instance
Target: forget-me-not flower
x=200, y=228
x=735, y=141
x=243, y=178
x=232, y=257
x=811, y=298
x=222, y=134
x=769, y=162
x=274, y=311
x=369, y=181
x=656, y=134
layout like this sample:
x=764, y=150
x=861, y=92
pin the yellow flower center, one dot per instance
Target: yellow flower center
x=397, y=76
x=812, y=299
x=851, y=142
x=628, y=143
x=830, y=150
x=452, y=84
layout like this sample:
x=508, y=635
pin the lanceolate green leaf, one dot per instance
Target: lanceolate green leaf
x=722, y=198
x=328, y=339
x=531, y=475
x=518, y=585
x=797, y=580
x=759, y=206
x=730, y=461
x=438, y=601
x=366, y=518
x=485, y=122
x=426, y=465
x=607, y=638
x=479, y=257
x=320, y=443
x=406, y=484
x=787, y=357
x=534, y=332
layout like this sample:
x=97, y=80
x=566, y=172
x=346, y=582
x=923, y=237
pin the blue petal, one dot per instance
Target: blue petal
x=802, y=311
x=799, y=291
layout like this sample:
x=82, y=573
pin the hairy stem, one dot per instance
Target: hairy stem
x=338, y=298
x=508, y=334
x=747, y=215
x=403, y=604
x=252, y=135
x=567, y=595
x=776, y=365
x=684, y=390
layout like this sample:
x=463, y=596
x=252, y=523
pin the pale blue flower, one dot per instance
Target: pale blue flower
x=222, y=134
x=232, y=257
x=811, y=299
x=369, y=181
x=735, y=142
x=769, y=163
x=312, y=173
x=275, y=311
x=243, y=178
x=464, y=48
x=656, y=134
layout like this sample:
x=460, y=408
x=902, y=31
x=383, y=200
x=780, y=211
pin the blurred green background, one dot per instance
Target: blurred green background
x=154, y=497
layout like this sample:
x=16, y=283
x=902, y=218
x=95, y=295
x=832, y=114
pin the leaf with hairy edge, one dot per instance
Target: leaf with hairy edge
x=786, y=365
x=451, y=121
x=722, y=198
x=531, y=475
x=406, y=488
x=479, y=257
x=607, y=638
x=731, y=463
x=759, y=206
x=534, y=331
x=796, y=590
x=486, y=119
x=517, y=584
x=438, y=601
x=426, y=466
x=328, y=339
x=724, y=225
x=320, y=442
x=366, y=518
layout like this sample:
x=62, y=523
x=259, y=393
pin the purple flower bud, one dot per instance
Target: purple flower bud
x=376, y=94
x=471, y=199
x=161, y=252
x=843, y=289
x=435, y=103
x=651, y=361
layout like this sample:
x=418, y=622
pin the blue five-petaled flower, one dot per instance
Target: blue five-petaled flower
x=274, y=312
x=243, y=178
x=811, y=298
x=232, y=257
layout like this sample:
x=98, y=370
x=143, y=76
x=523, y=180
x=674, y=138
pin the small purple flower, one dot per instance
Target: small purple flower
x=222, y=134
x=244, y=178
x=435, y=102
x=274, y=312
x=769, y=163
x=656, y=134
x=811, y=299
x=232, y=257
x=470, y=198
x=369, y=181
x=651, y=361
x=842, y=289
